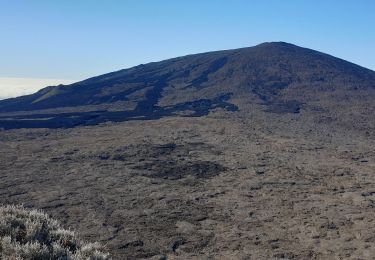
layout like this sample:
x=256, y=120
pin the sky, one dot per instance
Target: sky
x=71, y=40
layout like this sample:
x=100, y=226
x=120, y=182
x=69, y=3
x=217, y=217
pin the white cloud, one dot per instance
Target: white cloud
x=14, y=87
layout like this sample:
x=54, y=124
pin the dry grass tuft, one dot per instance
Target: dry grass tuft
x=32, y=234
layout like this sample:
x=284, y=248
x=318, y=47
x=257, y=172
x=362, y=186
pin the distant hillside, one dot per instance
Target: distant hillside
x=283, y=77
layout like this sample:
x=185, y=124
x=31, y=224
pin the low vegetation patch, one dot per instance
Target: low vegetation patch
x=32, y=234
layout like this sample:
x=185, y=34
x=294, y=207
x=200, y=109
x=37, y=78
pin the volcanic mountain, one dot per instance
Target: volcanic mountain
x=256, y=153
x=281, y=77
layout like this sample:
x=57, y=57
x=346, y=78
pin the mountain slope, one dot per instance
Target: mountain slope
x=257, y=153
x=281, y=76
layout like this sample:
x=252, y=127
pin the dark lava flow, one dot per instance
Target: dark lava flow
x=145, y=110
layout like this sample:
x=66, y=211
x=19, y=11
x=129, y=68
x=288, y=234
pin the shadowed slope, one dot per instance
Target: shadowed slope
x=280, y=76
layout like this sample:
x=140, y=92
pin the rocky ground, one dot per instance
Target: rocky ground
x=256, y=185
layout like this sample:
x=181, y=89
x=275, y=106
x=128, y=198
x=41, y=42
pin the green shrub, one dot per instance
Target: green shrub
x=31, y=234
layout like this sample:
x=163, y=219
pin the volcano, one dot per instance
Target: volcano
x=265, y=152
x=282, y=77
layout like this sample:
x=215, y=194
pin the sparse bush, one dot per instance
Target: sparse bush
x=31, y=234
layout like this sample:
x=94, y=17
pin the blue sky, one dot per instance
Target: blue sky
x=76, y=39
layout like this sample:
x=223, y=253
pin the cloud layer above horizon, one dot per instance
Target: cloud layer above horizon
x=14, y=87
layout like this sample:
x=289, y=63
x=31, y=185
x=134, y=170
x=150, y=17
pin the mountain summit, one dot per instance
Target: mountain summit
x=282, y=77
